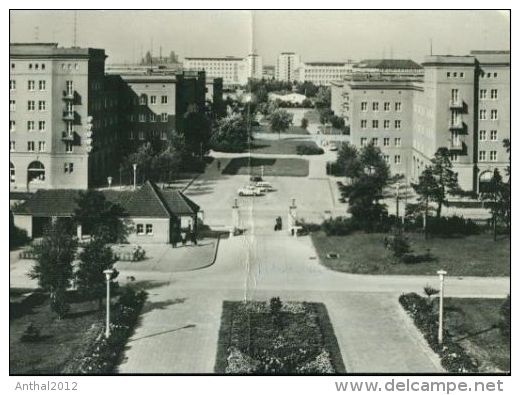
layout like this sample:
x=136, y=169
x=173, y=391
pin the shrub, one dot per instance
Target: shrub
x=31, y=334
x=429, y=291
x=304, y=123
x=17, y=237
x=505, y=311
x=398, y=244
x=453, y=357
x=451, y=226
x=309, y=149
x=339, y=226
x=308, y=227
x=275, y=306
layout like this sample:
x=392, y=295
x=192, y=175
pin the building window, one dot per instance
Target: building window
x=363, y=141
x=30, y=126
x=153, y=117
x=12, y=146
x=482, y=155
x=12, y=126
x=164, y=99
x=375, y=123
x=387, y=106
x=375, y=106
x=141, y=135
x=455, y=74
x=386, y=124
x=153, y=99
x=30, y=85
x=398, y=106
x=482, y=114
x=397, y=141
x=397, y=124
x=397, y=159
x=68, y=167
x=494, y=115
x=30, y=146
x=69, y=148
x=386, y=158
x=363, y=124
x=364, y=106
x=43, y=66
x=30, y=105
x=448, y=74
x=41, y=85
x=494, y=94
x=143, y=100
x=149, y=229
x=375, y=141
x=482, y=135
x=12, y=105
x=41, y=146
x=495, y=75
x=131, y=135
x=12, y=85
x=493, y=156
x=12, y=172
x=164, y=135
x=493, y=135
x=41, y=126
x=483, y=94
x=164, y=117
x=41, y=105
x=142, y=117
x=386, y=141
x=140, y=229
x=454, y=157
x=69, y=87
x=461, y=75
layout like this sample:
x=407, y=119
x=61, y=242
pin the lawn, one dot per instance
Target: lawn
x=313, y=116
x=272, y=166
x=361, y=252
x=473, y=324
x=297, y=338
x=293, y=129
x=286, y=146
x=60, y=341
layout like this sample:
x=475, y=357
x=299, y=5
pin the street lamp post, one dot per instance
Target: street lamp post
x=441, y=274
x=109, y=180
x=108, y=276
x=397, y=186
x=135, y=174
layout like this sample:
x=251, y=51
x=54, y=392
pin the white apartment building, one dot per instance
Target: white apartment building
x=286, y=65
x=323, y=73
x=233, y=70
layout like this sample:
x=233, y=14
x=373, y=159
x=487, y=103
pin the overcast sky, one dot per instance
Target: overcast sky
x=315, y=35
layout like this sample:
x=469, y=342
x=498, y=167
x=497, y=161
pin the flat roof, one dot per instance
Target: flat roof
x=213, y=58
x=51, y=50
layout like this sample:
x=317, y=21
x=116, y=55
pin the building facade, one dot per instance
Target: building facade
x=286, y=65
x=233, y=70
x=323, y=73
x=458, y=102
x=63, y=127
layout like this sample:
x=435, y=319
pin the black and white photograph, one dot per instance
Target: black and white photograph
x=260, y=192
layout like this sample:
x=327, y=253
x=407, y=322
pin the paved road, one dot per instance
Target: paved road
x=179, y=329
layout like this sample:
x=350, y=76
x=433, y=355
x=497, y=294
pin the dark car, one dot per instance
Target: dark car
x=255, y=178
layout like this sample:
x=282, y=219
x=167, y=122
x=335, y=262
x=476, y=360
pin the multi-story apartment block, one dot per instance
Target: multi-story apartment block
x=63, y=127
x=323, y=73
x=233, y=70
x=286, y=65
x=458, y=102
x=255, y=66
x=268, y=72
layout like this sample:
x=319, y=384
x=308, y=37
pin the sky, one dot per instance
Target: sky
x=314, y=35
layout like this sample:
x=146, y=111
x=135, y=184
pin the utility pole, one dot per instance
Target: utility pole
x=397, y=186
x=108, y=276
x=75, y=27
x=441, y=274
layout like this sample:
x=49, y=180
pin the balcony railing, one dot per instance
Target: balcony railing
x=69, y=115
x=457, y=124
x=69, y=95
x=456, y=145
x=456, y=103
x=67, y=136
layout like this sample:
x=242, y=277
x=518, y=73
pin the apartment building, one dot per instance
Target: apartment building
x=255, y=67
x=234, y=71
x=286, y=65
x=63, y=129
x=323, y=73
x=458, y=102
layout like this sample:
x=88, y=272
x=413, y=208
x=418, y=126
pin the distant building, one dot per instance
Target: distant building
x=155, y=215
x=254, y=66
x=234, y=71
x=286, y=65
x=293, y=98
x=323, y=73
x=268, y=72
x=458, y=102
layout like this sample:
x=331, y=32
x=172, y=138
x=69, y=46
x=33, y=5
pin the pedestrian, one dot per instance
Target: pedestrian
x=218, y=165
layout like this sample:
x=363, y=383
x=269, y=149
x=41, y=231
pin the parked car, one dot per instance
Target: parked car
x=249, y=190
x=333, y=147
x=255, y=179
x=264, y=186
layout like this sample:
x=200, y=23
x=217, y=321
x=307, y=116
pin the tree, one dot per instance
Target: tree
x=498, y=200
x=231, y=134
x=280, y=121
x=196, y=130
x=347, y=162
x=53, y=266
x=99, y=217
x=373, y=164
x=323, y=97
x=143, y=158
x=427, y=189
x=173, y=58
x=440, y=181
x=94, y=259
x=147, y=59
x=304, y=123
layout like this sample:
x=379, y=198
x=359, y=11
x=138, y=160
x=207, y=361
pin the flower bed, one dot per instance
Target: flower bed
x=423, y=312
x=277, y=338
x=103, y=355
